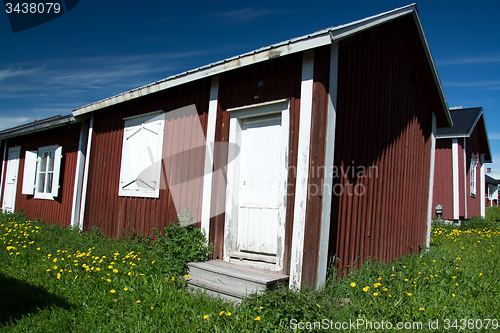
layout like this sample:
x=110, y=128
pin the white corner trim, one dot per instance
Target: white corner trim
x=209, y=154
x=326, y=206
x=80, y=166
x=466, y=185
x=299, y=218
x=482, y=189
x=2, y=169
x=431, y=182
x=455, y=168
x=86, y=173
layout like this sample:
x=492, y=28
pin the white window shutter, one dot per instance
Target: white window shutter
x=57, y=171
x=141, y=156
x=30, y=159
x=131, y=159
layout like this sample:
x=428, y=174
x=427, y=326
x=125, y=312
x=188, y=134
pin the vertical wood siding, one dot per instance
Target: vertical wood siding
x=57, y=211
x=281, y=79
x=316, y=165
x=473, y=144
x=443, y=179
x=115, y=215
x=382, y=148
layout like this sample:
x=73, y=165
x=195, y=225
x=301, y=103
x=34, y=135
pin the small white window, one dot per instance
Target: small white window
x=473, y=165
x=141, y=155
x=41, y=172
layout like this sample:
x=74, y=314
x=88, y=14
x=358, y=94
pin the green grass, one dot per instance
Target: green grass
x=59, y=280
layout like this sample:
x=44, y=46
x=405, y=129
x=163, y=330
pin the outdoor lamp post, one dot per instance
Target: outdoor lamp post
x=439, y=212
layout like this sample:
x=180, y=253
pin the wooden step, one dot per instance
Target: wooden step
x=232, y=281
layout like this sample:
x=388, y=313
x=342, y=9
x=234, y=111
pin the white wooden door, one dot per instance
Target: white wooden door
x=9, y=197
x=258, y=213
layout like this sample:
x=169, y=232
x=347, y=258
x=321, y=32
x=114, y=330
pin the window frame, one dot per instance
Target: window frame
x=473, y=175
x=32, y=172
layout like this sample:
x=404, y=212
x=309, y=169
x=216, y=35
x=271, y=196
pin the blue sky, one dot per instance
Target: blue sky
x=102, y=48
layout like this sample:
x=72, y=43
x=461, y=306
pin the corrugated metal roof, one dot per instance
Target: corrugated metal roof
x=316, y=39
x=36, y=126
x=464, y=121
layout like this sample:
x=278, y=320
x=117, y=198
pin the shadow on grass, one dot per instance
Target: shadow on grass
x=19, y=298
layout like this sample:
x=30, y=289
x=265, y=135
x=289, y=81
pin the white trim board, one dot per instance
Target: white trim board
x=86, y=173
x=431, y=182
x=326, y=204
x=301, y=184
x=209, y=154
x=456, y=189
x=79, y=171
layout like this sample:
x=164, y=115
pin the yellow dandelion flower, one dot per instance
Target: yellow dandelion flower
x=375, y=294
x=138, y=301
x=205, y=317
x=108, y=280
x=125, y=289
x=258, y=318
x=409, y=294
x=481, y=274
x=112, y=291
x=406, y=280
x=129, y=273
x=97, y=269
x=221, y=313
x=422, y=309
x=453, y=295
x=353, y=284
x=55, y=267
x=173, y=278
x=152, y=308
x=115, y=271
x=58, y=275
x=229, y=314
x=365, y=289
x=55, y=259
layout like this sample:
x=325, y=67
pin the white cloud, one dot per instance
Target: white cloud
x=489, y=83
x=494, y=136
x=8, y=122
x=247, y=14
x=476, y=59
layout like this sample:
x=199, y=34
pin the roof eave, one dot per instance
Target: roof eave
x=435, y=75
x=314, y=40
x=37, y=126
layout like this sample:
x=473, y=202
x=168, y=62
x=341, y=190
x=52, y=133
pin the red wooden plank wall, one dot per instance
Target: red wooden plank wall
x=443, y=179
x=280, y=78
x=116, y=215
x=57, y=211
x=473, y=147
x=382, y=123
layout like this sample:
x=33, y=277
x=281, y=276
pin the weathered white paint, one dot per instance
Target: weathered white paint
x=466, y=185
x=80, y=167
x=3, y=167
x=326, y=191
x=29, y=174
x=456, y=190
x=86, y=173
x=256, y=182
x=9, y=194
x=299, y=216
x=209, y=154
x=482, y=187
x=431, y=182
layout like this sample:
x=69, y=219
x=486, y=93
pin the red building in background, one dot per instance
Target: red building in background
x=461, y=152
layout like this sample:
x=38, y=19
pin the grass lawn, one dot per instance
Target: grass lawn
x=59, y=280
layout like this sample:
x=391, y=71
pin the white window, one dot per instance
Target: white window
x=141, y=155
x=473, y=165
x=41, y=172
